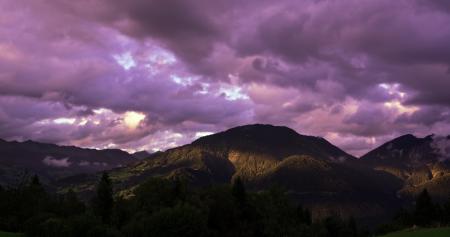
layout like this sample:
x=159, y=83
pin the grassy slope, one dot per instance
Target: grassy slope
x=7, y=234
x=436, y=232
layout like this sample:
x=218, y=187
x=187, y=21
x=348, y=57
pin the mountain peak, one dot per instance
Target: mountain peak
x=278, y=141
x=252, y=135
x=262, y=130
x=403, y=142
x=403, y=148
x=404, y=138
x=259, y=127
x=140, y=155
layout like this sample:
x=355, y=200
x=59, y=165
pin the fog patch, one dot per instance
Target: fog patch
x=100, y=163
x=87, y=163
x=84, y=163
x=339, y=159
x=54, y=162
x=441, y=147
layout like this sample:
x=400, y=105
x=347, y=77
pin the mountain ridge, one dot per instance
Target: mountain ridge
x=51, y=161
x=315, y=172
x=422, y=163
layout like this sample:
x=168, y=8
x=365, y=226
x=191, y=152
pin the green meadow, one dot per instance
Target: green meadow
x=7, y=234
x=435, y=232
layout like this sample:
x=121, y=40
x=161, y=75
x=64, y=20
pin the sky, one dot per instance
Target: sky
x=154, y=74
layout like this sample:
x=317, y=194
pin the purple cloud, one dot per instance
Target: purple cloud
x=155, y=74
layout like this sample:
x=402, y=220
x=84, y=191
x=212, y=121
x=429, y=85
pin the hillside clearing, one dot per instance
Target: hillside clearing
x=436, y=232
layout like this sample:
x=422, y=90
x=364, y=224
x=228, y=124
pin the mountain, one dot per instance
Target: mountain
x=419, y=162
x=52, y=162
x=140, y=155
x=312, y=170
x=315, y=172
x=248, y=151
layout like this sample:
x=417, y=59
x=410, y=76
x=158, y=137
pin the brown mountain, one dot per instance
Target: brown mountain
x=52, y=162
x=419, y=162
x=312, y=170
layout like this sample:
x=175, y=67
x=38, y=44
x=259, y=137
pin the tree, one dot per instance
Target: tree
x=179, y=190
x=103, y=231
x=181, y=220
x=34, y=198
x=303, y=215
x=238, y=191
x=351, y=228
x=123, y=211
x=424, y=212
x=333, y=225
x=35, y=187
x=71, y=204
x=446, y=211
x=103, y=201
x=155, y=194
x=222, y=214
x=403, y=218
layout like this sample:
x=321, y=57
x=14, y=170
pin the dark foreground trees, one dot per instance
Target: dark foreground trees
x=425, y=213
x=162, y=207
x=103, y=201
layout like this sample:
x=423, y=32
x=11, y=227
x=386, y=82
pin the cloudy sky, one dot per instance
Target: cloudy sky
x=153, y=74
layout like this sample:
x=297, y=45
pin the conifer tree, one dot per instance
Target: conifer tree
x=446, y=211
x=425, y=210
x=71, y=204
x=304, y=215
x=238, y=191
x=103, y=201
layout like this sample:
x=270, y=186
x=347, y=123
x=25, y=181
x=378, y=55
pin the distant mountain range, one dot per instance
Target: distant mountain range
x=312, y=170
x=52, y=162
x=419, y=162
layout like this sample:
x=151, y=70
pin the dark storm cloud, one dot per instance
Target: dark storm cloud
x=355, y=47
x=369, y=121
x=439, y=5
x=186, y=29
x=380, y=42
x=355, y=68
x=66, y=73
x=426, y=116
x=190, y=28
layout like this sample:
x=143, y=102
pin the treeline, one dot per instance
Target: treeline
x=425, y=213
x=162, y=207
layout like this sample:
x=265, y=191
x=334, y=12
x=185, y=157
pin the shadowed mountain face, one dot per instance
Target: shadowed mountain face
x=419, y=162
x=251, y=152
x=404, y=151
x=52, y=162
x=274, y=141
x=311, y=169
x=140, y=155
